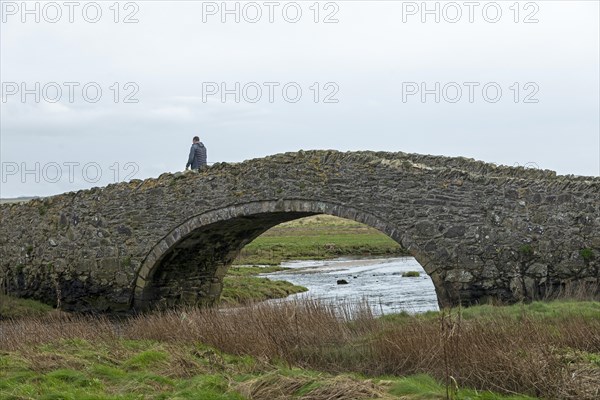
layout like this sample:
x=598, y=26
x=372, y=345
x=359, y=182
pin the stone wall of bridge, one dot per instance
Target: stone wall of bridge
x=480, y=231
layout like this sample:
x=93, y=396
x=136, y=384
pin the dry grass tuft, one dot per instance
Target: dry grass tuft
x=46, y=362
x=277, y=387
x=344, y=388
x=580, y=291
x=272, y=387
x=583, y=382
x=269, y=330
x=23, y=332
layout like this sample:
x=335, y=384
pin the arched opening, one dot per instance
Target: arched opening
x=188, y=265
x=330, y=259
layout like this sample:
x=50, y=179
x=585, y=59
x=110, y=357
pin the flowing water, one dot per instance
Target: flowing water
x=378, y=280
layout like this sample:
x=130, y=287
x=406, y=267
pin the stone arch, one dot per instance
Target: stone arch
x=246, y=222
x=481, y=232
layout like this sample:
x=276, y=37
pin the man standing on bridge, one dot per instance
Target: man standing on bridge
x=197, y=158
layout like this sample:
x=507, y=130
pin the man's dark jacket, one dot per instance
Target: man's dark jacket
x=197, y=157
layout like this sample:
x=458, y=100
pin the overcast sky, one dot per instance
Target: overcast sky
x=361, y=80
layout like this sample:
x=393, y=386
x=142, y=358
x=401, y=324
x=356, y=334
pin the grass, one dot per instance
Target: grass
x=241, y=286
x=12, y=307
x=308, y=350
x=251, y=270
x=425, y=387
x=125, y=369
x=244, y=289
x=587, y=254
x=411, y=274
x=538, y=310
x=79, y=369
x=317, y=237
x=562, y=310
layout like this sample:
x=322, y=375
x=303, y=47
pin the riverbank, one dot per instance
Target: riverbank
x=14, y=307
x=317, y=238
x=241, y=286
x=307, y=350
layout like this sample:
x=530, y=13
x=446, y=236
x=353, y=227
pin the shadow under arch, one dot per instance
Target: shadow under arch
x=187, y=266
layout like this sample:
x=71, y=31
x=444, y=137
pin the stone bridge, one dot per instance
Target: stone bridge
x=479, y=230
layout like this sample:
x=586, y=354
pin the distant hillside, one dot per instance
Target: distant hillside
x=17, y=199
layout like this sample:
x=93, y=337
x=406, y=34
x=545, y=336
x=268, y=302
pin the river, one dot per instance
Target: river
x=378, y=280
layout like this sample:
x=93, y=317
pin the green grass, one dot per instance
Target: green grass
x=317, y=237
x=145, y=359
x=115, y=372
x=411, y=274
x=587, y=254
x=425, y=387
x=243, y=289
x=13, y=307
x=80, y=370
x=254, y=270
x=562, y=309
x=547, y=311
